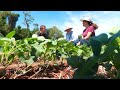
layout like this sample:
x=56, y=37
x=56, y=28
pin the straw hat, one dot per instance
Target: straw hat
x=68, y=28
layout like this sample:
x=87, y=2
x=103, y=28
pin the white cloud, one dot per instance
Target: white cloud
x=105, y=20
x=74, y=22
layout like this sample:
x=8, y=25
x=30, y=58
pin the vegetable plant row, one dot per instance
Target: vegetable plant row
x=84, y=60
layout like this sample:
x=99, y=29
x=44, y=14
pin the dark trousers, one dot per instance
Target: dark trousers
x=84, y=41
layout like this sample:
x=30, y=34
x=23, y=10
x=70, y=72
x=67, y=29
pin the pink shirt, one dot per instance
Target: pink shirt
x=89, y=29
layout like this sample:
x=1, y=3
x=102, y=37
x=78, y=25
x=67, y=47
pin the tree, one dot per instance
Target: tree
x=36, y=26
x=19, y=27
x=3, y=17
x=7, y=21
x=22, y=33
x=12, y=19
x=28, y=19
x=55, y=33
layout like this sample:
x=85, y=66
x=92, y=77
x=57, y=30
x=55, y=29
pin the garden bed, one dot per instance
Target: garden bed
x=37, y=70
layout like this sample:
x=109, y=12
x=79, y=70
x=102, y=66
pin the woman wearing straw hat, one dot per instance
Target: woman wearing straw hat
x=70, y=35
x=89, y=31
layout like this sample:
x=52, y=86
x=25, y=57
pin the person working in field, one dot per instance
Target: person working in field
x=42, y=32
x=70, y=35
x=88, y=32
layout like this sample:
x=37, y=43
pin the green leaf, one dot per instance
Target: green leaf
x=45, y=42
x=39, y=48
x=114, y=36
x=41, y=38
x=85, y=69
x=96, y=46
x=64, y=56
x=74, y=61
x=30, y=61
x=11, y=34
x=2, y=42
x=26, y=42
x=22, y=59
x=103, y=38
x=54, y=42
x=6, y=39
x=76, y=75
x=60, y=39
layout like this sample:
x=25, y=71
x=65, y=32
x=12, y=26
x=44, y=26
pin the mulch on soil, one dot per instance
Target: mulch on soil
x=36, y=71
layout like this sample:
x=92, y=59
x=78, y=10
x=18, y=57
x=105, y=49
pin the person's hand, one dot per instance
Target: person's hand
x=78, y=44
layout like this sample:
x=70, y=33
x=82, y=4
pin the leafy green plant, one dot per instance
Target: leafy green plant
x=105, y=50
x=8, y=49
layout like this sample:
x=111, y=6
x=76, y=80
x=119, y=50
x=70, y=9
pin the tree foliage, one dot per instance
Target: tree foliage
x=55, y=33
x=7, y=22
x=22, y=33
x=12, y=19
x=28, y=19
x=36, y=26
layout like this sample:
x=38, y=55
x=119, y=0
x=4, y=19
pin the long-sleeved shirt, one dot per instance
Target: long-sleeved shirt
x=71, y=37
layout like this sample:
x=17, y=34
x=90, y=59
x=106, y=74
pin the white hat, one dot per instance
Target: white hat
x=68, y=28
x=86, y=19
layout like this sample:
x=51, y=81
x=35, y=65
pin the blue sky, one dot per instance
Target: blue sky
x=62, y=19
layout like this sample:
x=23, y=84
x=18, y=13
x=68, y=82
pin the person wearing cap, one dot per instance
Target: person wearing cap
x=42, y=32
x=70, y=35
x=88, y=32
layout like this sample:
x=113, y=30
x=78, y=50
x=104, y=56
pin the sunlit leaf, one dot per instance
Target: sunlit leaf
x=11, y=34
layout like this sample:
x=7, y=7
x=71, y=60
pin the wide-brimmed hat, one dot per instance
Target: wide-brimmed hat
x=86, y=19
x=68, y=28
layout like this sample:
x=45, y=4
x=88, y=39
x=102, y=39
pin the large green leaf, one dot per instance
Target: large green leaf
x=39, y=48
x=84, y=68
x=114, y=36
x=103, y=38
x=96, y=46
x=11, y=34
x=76, y=75
x=74, y=61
